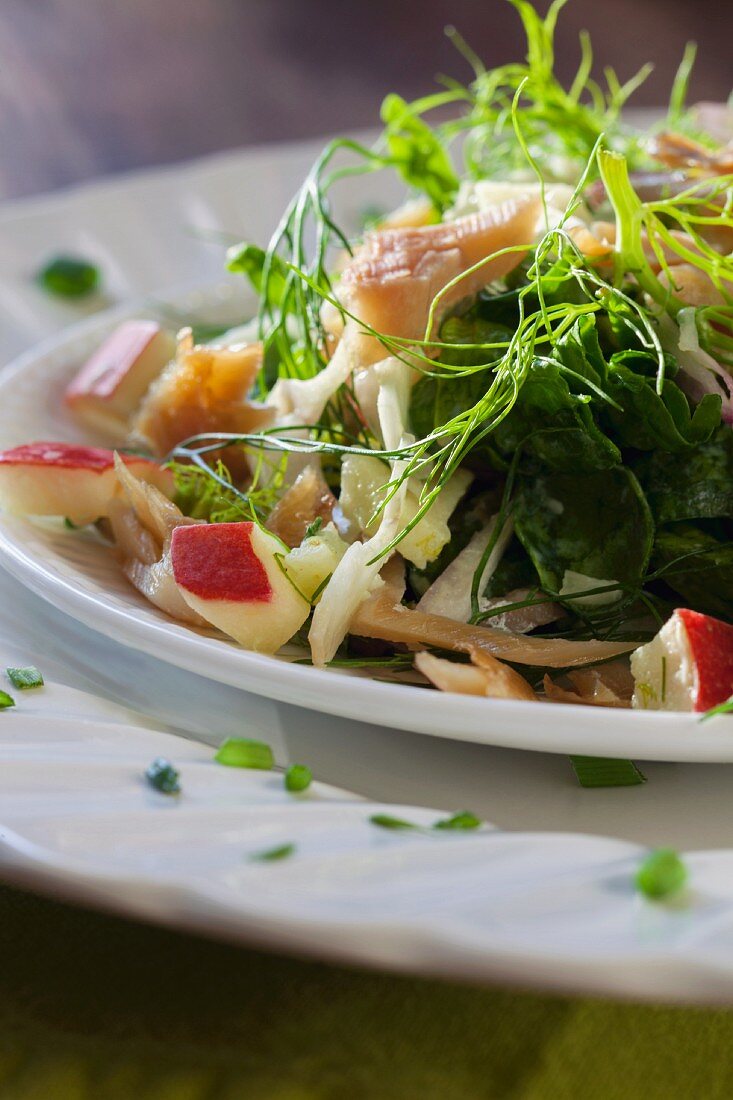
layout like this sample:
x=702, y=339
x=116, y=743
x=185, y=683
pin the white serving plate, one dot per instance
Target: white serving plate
x=545, y=905
x=78, y=575
x=547, y=910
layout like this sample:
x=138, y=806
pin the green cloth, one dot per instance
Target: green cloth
x=95, y=1007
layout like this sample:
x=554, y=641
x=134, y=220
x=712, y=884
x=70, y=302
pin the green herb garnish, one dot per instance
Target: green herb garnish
x=24, y=678
x=464, y=819
x=314, y=527
x=240, y=752
x=163, y=776
x=6, y=700
x=270, y=855
x=386, y=821
x=69, y=277
x=661, y=874
x=595, y=771
x=298, y=777
x=721, y=708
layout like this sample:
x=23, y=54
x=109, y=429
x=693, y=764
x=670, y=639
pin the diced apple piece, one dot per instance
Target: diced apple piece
x=63, y=479
x=363, y=481
x=311, y=563
x=112, y=383
x=688, y=666
x=229, y=574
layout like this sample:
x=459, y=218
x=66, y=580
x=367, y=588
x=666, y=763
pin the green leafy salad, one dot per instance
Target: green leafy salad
x=486, y=444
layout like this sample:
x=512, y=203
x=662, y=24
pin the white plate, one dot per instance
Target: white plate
x=550, y=910
x=536, y=907
x=80, y=577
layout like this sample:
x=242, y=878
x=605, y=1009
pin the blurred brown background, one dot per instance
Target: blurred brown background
x=95, y=86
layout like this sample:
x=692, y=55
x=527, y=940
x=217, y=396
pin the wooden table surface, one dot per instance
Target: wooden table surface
x=89, y=87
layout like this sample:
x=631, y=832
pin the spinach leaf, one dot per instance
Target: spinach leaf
x=249, y=259
x=597, y=524
x=554, y=426
x=695, y=485
x=515, y=570
x=436, y=400
x=580, y=351
x=704, y=575
x=651, y=421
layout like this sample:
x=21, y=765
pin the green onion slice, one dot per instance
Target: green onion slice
x=6, y=700
x=386, y=821
x=240, y=752
x=24, y=678
x=68, y=277
x=282, y=851
x=298, y=778
x=596, y=771
x=661, y=874
x=464, y=819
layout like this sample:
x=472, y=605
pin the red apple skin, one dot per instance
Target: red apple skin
x=64, y=479
x=220, y=564
x=230, y=575
x=711, y=646
x=112, y=383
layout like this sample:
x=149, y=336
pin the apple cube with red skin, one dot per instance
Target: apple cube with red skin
x=63, y=479
x=229, y=573
x=688, y=666
x=112, y=383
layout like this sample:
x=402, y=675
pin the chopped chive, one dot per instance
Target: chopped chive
x=661, y=874
x=6, y=700
x=68, y=277
x=722, y=708
x=386, y=821
x=282, y=851
x=314, y=527
x=24, y=678
x=163, y=776
x=596, y=771
x=70, y=525
x=464, y=819
x=298, y=777
x=240, y=752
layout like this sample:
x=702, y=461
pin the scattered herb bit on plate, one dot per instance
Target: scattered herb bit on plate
x=270, y=855
x=386, y=821
x=241, y=752
x=298, y=777
x=24, y=678
x=464, y=819
x=6, y=700
x=661, y=874
x=163, y=776
x=596, y=771
x=69, y=276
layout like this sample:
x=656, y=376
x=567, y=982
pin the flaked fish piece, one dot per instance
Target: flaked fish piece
x=692, y=286
x=383, y=616
x=204, y=389
x=142, y=526
x=678, y=151
x=391, y=281
x=308, y=498
x=490, y=678
x=609, y=685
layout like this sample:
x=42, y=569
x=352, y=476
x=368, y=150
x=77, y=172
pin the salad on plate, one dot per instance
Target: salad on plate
x=484, y=445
